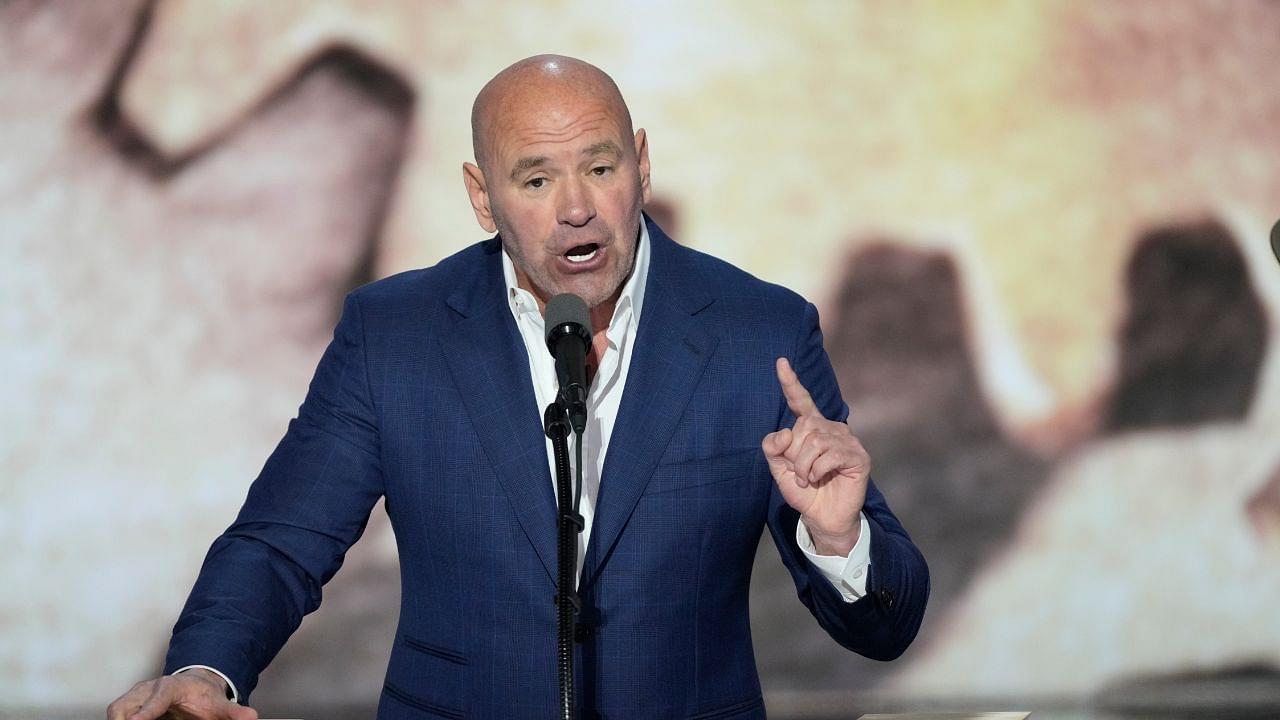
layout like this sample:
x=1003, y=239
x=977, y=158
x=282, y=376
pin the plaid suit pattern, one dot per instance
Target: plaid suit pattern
x=424, y=397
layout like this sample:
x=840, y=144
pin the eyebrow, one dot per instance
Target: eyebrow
x=604, y=147
x=527, y=163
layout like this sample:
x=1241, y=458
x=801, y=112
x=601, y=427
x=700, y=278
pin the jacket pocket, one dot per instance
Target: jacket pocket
x=428, y=648
x=427, y=677
x=685, y=474
x=399, y=695
x=744, y=707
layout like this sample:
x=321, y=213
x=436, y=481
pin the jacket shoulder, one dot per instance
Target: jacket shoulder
x=421, y=290
x=740, y=294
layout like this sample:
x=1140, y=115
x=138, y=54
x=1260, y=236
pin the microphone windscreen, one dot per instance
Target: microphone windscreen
x=566, y=308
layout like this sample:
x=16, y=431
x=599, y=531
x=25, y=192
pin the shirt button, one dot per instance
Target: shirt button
x=857, y=573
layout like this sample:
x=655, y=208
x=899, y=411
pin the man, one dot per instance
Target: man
x=715, y=412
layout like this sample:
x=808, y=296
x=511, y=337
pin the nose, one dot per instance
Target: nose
x=576, y=206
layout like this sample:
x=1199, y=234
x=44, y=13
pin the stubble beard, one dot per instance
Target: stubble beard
x=545, y=285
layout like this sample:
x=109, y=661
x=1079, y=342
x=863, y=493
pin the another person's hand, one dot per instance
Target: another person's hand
x=191, y=695
x=820, y=467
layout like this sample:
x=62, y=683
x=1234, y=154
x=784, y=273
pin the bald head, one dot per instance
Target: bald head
x=533, y=86
x=561, y=177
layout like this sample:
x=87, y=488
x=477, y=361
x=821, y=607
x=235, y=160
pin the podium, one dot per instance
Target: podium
x=947, y=716
x=1019, y=715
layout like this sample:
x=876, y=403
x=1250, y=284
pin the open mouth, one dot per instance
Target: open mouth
x=582, y=253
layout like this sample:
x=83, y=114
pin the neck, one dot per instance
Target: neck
x=601, y=316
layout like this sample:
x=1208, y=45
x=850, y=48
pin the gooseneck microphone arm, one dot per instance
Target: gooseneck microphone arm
x=568, y=337
x=556, y=423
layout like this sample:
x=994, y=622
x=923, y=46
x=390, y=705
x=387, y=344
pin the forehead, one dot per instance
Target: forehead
x=548, y=126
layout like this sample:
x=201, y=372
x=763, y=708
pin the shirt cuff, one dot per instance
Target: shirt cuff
x=846, y=574
x=232, y=694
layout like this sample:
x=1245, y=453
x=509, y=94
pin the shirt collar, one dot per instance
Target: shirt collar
x=626, y=314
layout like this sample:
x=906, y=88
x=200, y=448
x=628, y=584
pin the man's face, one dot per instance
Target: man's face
x=564, y=185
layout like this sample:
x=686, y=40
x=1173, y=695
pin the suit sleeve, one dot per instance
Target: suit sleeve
x=882, y=623
x=305, y=509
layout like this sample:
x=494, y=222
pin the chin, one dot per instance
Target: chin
x=593, y=297
x=594, y=290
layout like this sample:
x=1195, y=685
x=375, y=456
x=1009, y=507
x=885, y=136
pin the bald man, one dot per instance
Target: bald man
x=714, y=413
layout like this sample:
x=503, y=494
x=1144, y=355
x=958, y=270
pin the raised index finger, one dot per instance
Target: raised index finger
x=798, y=398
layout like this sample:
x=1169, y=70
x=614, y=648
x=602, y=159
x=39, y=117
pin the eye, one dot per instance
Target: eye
x=536, y=183
x=601, y=171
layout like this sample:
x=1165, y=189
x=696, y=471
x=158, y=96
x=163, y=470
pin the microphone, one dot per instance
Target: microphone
x=568, y=324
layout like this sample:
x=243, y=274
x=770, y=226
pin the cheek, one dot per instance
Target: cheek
x=617, y=208
x=524, y=223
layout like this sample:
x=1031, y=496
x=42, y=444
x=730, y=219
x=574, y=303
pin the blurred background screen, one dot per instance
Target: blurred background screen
x=1036, y=233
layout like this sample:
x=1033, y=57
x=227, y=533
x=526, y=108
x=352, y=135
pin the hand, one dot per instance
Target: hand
x=192, y=695
x=820, y=467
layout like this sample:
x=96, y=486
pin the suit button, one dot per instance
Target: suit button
x=886, y=599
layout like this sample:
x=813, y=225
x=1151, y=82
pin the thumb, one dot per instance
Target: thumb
x=776, y=443
x=242, y=712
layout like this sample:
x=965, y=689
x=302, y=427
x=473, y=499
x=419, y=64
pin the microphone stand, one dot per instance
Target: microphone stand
x=555, y=422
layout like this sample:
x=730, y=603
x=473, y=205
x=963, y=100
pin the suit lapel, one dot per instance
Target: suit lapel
x=491, y=369
x=671, y=351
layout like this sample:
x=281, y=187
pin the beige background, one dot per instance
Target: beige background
x=188, y=188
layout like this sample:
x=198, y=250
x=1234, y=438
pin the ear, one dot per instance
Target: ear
x=478, y=191
x=642, y=154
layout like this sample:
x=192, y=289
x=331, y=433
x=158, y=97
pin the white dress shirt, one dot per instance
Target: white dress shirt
x=846, y=574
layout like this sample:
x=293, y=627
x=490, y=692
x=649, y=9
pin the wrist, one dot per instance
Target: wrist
x=839, y=543
x=212, y=678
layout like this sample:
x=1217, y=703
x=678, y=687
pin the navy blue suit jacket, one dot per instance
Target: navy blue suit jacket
x=424, y=397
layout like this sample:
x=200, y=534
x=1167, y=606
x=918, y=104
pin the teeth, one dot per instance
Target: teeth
x=582, y=258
